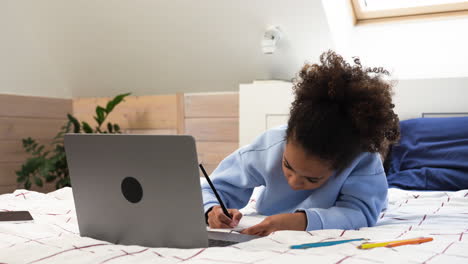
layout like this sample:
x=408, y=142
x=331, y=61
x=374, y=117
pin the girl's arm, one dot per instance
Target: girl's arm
x=359, y=204
x=362, y=197
x=233, y=182
x=295, y=221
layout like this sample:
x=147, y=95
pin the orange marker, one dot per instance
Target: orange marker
x=409, y=242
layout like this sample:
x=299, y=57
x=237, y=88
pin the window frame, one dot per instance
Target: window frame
x=418, y=12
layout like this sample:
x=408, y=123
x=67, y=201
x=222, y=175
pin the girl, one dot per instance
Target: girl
x=322, y=170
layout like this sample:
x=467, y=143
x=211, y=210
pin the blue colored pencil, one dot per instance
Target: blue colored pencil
x=325, y=244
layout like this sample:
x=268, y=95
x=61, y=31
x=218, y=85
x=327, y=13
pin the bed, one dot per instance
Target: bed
x=54, y=238
x=438, y=210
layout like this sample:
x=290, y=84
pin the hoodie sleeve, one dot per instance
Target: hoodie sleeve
x=361, y=199
x=233, y=182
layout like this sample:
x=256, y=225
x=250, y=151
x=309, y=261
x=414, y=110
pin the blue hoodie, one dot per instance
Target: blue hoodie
x=350, y=199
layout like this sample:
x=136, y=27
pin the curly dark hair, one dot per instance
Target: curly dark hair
x=341, y=110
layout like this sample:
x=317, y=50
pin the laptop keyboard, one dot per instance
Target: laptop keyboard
x=220, y=243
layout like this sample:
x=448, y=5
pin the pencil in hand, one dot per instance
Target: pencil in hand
x=225, y=211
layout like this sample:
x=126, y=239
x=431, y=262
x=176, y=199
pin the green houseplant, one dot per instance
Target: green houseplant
x=51, y=165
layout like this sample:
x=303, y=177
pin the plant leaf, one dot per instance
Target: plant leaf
x=38, y=181
x=110, y=106
x=117, y=100
x=29, y=145
x=21, y=176
x=66, y=182
x=58, y=139
x=27, y=142
x=39, y=150
x=76, y=124
x=50, y=178
x=100, y=115
x=110, y=128
x=46, y=168
x=87, y=128
x=27, y=185
x=31, y=165
x=49, y=164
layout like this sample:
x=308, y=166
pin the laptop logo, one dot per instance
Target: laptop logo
x=132, y=190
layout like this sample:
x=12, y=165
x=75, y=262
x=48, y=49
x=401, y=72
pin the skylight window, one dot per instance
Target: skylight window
x=368, y=10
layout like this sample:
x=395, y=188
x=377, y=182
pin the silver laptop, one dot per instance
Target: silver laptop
x=140, y=190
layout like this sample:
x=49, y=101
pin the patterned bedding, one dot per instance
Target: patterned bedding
x=53, y=236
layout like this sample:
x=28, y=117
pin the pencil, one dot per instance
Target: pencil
x=394, y=243
x=225, y=211
x=417, y=241
x=324, y=244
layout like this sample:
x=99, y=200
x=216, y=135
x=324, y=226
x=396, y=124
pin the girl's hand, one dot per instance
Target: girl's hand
x=217, y=219
x=294, y=221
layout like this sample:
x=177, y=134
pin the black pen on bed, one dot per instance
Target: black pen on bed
x=225, y=211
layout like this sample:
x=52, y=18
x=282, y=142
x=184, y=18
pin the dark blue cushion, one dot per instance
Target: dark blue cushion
x=432, y=155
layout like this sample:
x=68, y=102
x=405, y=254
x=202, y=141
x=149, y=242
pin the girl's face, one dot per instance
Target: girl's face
x=302, y=171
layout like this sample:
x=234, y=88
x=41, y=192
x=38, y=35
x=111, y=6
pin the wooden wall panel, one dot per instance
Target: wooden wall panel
x=212, y=105
x=180, y=113
x=16, y=128
x=209, y=168
x=9, y=169
x=7, y=188
x=213, y=152
x=151, y=131
x=13, y=151
x=34, y=107
x=136, y=112
x=213, y=129
x=213, y=120
x=21, y=117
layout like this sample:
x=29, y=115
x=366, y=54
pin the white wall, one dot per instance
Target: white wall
x=435, y=48
x=25, y=65
x=101, y=48
x=167, y=46
x=412, y=98
x=257, y=113
x=438, y=95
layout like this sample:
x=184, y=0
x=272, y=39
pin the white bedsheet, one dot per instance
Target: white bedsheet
x=53, y=237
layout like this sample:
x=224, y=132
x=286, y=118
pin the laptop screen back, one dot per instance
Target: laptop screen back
x=137, y=189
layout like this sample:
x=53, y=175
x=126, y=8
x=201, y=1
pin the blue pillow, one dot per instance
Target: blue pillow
x=432, y=155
